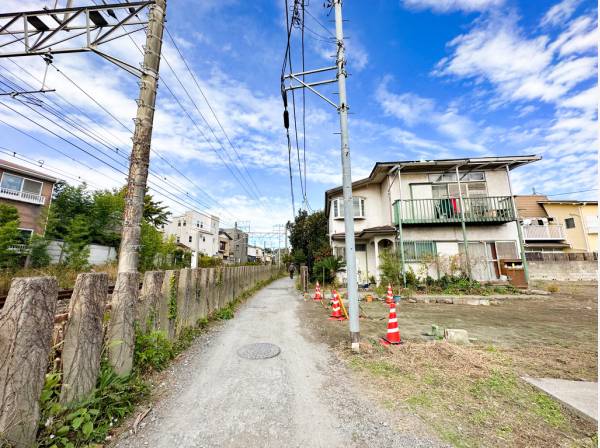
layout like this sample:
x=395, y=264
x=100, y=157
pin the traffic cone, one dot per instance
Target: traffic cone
x=336, y=310
x=390, y=295
x=393, y=332
x=318, y=295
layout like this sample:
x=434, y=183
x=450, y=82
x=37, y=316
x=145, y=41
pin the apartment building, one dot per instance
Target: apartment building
x=429, y=211
x=238, y=245
x=30, y=192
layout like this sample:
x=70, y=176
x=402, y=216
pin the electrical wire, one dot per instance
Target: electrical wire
x=285, y=111
x=194, y=78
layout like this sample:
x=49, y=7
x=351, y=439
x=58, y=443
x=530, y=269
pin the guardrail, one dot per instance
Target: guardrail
x=549, y=232
x=22, y=196
x=448, y=210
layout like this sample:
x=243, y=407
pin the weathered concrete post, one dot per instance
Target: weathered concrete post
x=26, y=323
x=84, y=335
x=121, y=332
x=183, y=300
x=212, y=292
x=148, y=305
x=168, y=305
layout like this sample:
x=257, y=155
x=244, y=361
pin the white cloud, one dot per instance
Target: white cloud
x=518, y=67
x=560, y=12
x=408, y=107
x=443, y=6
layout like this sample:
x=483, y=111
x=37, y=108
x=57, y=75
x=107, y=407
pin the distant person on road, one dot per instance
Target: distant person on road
x=291, y=270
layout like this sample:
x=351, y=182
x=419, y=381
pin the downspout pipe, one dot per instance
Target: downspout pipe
x=396, y=170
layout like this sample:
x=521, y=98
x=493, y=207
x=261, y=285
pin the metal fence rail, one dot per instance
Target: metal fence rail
x=448, y=210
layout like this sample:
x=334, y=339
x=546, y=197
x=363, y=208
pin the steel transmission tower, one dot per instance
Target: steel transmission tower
x=294, y=81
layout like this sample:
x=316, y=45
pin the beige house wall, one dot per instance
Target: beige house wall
x=579, y=237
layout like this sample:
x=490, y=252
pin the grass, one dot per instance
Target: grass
x=471, y=396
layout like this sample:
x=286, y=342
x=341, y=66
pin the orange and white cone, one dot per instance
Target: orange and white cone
x=389, y=298
x=393, y=332
x=336, y=310
x=318, y=295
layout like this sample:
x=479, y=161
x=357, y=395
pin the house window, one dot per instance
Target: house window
x=18, y=183
x=178, y=239
x=340, y=252
x=358, y=205
x=203, y=239
x=25, y=235
x=178, y=223
x=190, y=239
x=183, y=223
x=570, y=223
x=197, y=223
x=451, y=177
x=360, y=248
x=419, y=250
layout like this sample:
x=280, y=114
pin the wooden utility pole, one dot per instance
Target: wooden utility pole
x=121, y=329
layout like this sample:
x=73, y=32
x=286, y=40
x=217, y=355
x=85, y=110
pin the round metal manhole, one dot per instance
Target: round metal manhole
x=260, y=350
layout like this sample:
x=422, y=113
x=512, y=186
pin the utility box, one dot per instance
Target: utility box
x=514, y=271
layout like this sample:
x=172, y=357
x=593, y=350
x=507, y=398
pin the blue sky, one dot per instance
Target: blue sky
x=429, y=79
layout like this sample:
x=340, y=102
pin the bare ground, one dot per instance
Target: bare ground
x=473, y=396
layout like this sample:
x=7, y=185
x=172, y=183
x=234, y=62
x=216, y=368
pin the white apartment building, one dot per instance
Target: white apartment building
x=198, y=231
x=431, y=209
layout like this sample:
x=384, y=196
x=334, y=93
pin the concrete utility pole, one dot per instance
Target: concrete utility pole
x=142, y=137
x=121, y=333
x=347, y=180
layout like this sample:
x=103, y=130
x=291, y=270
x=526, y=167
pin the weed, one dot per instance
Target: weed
x=421, y=399
x=224, y=313
x=173, y=296
x=548, y=409
x=552, y=288
x=153, y=351
x=89, y=421
x=498, y=383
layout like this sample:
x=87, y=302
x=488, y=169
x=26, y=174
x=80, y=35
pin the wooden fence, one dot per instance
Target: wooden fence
x=168, y=301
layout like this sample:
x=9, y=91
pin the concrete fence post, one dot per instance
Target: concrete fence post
x=203, y=293
x=26, y=323
x=211, y=291
x=82, y=345
x=183, y=300
x=168, y=306
x=121, y=330
x=148, y=305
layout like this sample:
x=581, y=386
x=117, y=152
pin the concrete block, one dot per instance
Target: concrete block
x=456, y=336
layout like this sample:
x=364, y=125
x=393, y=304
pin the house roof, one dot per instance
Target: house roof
x=379, y=230
x=381, y=169
x=10, y=166
x=222, y=232
x=568, y=202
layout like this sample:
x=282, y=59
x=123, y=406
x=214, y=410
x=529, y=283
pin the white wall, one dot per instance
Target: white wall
x=98, y=254
x=202, y=229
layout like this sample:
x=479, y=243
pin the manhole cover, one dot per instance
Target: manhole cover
x=261, y=350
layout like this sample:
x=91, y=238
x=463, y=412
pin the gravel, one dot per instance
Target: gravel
x=303, y=397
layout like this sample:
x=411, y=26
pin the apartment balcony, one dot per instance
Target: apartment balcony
x=479, y=210
x=544, y=233
x=22, y=196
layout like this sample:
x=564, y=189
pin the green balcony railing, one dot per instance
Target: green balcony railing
x=440, y=211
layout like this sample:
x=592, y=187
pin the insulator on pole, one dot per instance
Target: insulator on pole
x=286, y=119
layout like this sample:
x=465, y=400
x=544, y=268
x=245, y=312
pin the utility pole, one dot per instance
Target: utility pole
x=142, y=137
x=347, y=180
x=121, y=333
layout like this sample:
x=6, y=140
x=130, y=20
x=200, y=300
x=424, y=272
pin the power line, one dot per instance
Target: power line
x=193, y=76
x=286, y=120
x=164, y=179
x=572, y=192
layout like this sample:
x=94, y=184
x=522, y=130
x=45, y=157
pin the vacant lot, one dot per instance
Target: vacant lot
x=473, y=396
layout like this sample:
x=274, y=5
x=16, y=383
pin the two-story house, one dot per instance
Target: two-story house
x=198, y=231
x=430, y=210
x=30, y=192
x=558, y=225
x=225, y=246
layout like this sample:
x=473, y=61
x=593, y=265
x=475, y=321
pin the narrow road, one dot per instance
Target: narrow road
x=299, y=398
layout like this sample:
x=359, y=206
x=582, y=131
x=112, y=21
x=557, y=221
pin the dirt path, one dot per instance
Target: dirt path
x=301, y=398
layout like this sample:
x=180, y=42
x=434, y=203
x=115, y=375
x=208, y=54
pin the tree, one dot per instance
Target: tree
x=151, y=242
x=10, y=235
x=38, y=251
x=327, y=267
x=67, y=203
x=308, y=236
x=77, y=242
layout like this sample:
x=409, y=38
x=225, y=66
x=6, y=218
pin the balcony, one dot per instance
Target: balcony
x=481, y=210
x=22, y=196
x=549, y=232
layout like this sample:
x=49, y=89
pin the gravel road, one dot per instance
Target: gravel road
x=302, y=397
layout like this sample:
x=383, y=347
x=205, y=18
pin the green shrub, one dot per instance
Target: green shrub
x=153, y=351
x=89, y=421
x=38, y=252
